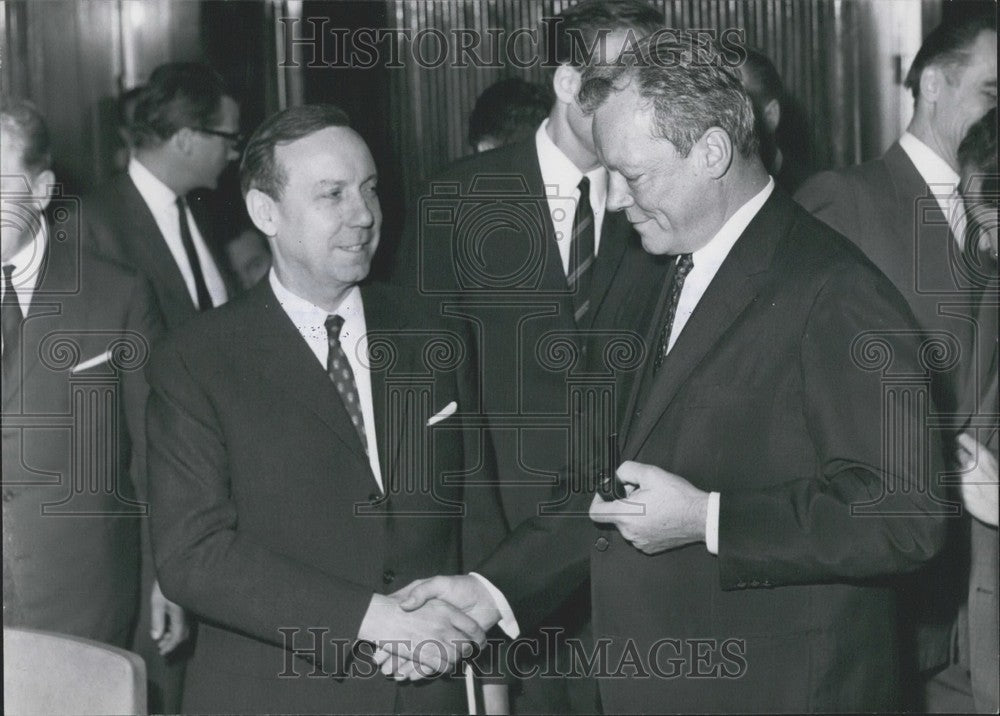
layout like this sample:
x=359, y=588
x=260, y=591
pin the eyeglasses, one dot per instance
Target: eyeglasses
x=234, y=138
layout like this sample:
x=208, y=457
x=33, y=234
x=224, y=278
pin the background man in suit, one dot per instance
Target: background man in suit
x=744, y=570
x=543, y=271
x=76, y=334
x=905, y=212
x=300, y=445
x=184, y=132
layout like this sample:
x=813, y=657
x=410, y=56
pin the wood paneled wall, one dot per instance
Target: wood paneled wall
x=812, y=42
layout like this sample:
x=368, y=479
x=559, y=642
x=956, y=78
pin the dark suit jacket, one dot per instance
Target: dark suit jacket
x=267, y=515
x=766, y=398
x=120, y=226
x=886, y=208
x=481, y=245
x=73, y=447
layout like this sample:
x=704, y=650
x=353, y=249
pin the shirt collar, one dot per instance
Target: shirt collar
x=934, y=170
x=715, y=251
x=154, y=192
x=561, y=175
x=28, y=260
x=310, y=319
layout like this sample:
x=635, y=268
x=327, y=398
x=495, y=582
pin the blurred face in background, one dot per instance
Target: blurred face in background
x=23, y=195
x=968, y=92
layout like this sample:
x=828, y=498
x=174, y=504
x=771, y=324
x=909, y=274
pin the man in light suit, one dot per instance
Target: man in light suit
x=905, y=212
x=540, y=267
x=307, y=454
x=767, y=494
x=76, y=335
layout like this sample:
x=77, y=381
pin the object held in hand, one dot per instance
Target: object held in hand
x=609, y=487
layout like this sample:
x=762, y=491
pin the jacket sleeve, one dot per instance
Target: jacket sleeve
x=873, y=508
x=203, y=561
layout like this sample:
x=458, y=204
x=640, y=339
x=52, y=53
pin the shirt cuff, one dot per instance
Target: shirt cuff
x=712, y=523
x=507, y=621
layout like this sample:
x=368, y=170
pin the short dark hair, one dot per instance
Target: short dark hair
x=178, y=95
x=509, y=110
x=571, y=34
x=978, y=149
x=761, y=78
x=688, y=85
x=947, y=46
x=25, y=123
x=259, y=169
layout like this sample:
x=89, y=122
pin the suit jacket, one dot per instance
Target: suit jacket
x=73, y=446
x=481, y=245
x=771, y=395
x=886, y=208
x=267, y=516
x=119, y=225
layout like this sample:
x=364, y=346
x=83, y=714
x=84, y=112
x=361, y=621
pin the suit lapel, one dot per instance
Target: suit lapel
x=732, y=290
x=615, y=233
x=57, y=282
x=288, y=363
x=153, y=254
x=378, y=318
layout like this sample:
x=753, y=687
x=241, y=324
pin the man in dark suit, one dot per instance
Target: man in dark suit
x=905, y=212
x=769, y=492
x=306, y=453
x=184, y=131
x=76, y=334
x=559, y=291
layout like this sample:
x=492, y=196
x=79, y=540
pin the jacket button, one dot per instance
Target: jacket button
x=388, y=576
x=374, y=498
x=601, y=544
x=8, y=495
x=638, y=412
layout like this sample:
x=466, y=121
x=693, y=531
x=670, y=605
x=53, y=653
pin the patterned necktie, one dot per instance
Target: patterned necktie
x=339, y=370
x=204, y=299
x=581, y=252
x=683, y=268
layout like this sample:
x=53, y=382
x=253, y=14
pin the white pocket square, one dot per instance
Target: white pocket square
x=91, y=362
x=448, y=411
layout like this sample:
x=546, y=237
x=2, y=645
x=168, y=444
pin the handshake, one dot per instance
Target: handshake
x=430, y=625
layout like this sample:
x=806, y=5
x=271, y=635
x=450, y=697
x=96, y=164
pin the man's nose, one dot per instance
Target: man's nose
x=618, y=194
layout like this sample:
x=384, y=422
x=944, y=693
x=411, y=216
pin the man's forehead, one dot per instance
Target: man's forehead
x=622, y=122
x=330, y=154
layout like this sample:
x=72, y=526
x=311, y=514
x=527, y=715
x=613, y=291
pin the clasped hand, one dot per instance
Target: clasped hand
x=429, y=625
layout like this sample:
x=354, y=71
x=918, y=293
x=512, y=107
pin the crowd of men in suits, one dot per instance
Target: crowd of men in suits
x=624, y=404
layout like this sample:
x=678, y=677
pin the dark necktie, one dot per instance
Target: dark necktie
x=581, y=253
x=12, y=317
x=682, y=269
x=339, y=370
x=204, y=299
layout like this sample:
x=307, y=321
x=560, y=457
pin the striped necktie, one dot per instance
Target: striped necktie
x=581, y=253
x=683, y=268
x=339, y=370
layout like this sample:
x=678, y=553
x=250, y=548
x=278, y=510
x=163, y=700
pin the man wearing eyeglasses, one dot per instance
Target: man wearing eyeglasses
x=185, y=132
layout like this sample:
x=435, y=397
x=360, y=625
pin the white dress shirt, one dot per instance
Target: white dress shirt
x=941, y=179
x=27, y=265
x=310, y=321
x=561, y=179
x=707, y=261
x=162, y=203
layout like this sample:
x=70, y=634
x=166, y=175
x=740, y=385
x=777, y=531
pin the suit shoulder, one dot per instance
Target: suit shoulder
x=509, y=159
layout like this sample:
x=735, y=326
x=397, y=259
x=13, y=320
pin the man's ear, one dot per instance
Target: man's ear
x=183, y=141
x=566, y=83
x=931, y=80
x=41, y=186
x=262, y=210
x=772, y=115
x=716, y=150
